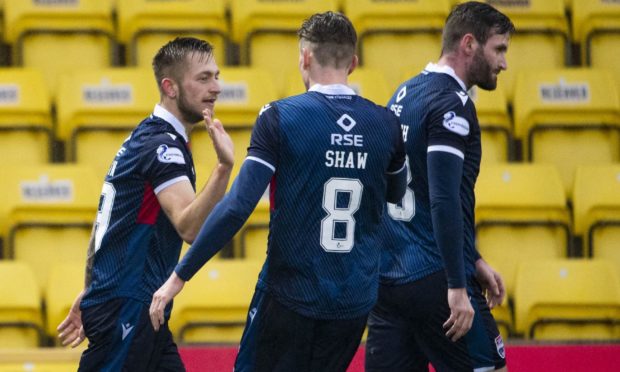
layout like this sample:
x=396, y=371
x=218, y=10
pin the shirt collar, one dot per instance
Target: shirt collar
x=162, y=113
x=332, y=89
x=445, y=69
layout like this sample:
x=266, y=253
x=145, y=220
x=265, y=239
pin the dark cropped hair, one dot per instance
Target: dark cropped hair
x=172, y=57
x=476, y=18
x=332, y=36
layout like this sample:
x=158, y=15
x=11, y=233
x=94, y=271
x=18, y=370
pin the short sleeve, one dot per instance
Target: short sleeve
x=265, y=140
x=165, y=161
x=450, y=122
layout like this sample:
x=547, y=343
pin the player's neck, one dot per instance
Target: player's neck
x=172, y=108
x=328, y=76
x=457, y=64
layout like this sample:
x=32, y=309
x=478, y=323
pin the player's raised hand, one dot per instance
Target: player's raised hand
x=71, y=331
x=162, y=297
x=222, y=142
x=491, y=282
x=461, y=314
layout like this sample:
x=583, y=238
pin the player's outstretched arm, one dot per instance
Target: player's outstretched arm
x=188, y=211
x=222, y=224
x=491, y=282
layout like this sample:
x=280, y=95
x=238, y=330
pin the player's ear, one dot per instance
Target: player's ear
x=353, y=65
x=169, y=87
x=468, y=44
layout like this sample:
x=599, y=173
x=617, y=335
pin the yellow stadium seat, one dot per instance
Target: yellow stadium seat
x=495, y=126
x=596, y=208
x=398, y=36
x=596, y=27
x=48, y=212
x=567, y=300
x=213, y=306
x=21, y=321
x=144, y=26
x=267, y=33
x=366, y=82
x=255, y=233
x=520, y=214
x=244, y=91
x=65, y=281
x=568, y=117
x=25, y=117
x=60, y=36
x=39, y=360
x=98, y=109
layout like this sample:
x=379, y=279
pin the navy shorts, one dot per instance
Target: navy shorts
x=121, y=338
x=405, y=331
x=278, y=339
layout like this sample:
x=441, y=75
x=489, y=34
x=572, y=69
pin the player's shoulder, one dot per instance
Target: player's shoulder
x=154, y=132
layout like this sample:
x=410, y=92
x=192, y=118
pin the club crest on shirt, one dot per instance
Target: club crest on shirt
x=499, y=345
x=456, y=124
x=167, y=154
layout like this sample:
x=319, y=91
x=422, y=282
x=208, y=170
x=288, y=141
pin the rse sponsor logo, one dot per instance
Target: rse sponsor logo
x=346, y=122
x=455, y=123
x=167, y=154
x=44, y=190
x=264, y=108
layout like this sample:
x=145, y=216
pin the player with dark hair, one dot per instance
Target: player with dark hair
x=148, y=206
x=332, y=159
x=432, y=305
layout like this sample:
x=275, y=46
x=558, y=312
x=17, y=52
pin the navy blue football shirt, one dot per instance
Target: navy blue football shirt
x=327, y=154
x=436, y=114
x=136, y=245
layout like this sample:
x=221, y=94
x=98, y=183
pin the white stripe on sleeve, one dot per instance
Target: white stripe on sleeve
x=448, y=149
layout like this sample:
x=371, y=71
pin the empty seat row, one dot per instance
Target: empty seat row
x=212, y=308
x=393, y=35
x=566, y=117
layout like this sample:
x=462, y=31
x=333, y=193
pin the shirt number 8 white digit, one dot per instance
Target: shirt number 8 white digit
x=338, y=214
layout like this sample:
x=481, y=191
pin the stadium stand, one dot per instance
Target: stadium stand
x=47, y=214
x=540, y=42
x=568, y=117
x=213, y=306
x=60, y=36
x=596, y=207
x=98, y=109
x=244, y=91
x=267, y=33
x=596, y=27
x=574, y=299
x=21, y=320
x=64, y=283
x=39, y=360
x=255, y=233
x=25, y=117
x=368, y=83
x=144, y=26
x=495, y=125
x=519, y=217
x=397, y=36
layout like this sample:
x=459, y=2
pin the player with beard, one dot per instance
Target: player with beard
x=148, y=206
x=436, y=291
